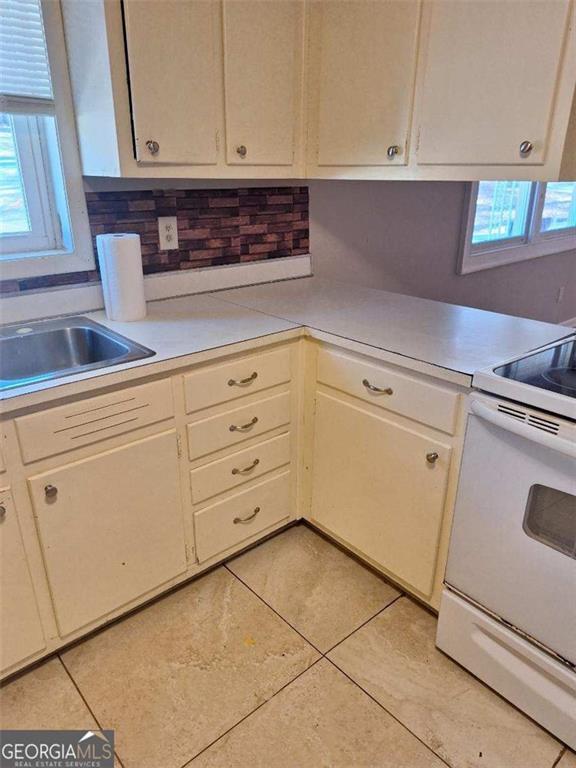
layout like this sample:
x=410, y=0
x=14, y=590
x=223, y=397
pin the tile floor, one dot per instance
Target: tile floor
x=291, y=656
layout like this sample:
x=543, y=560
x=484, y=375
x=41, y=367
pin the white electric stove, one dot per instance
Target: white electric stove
x=508, y=611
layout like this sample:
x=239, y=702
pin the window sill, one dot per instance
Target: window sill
x=40, y=263
x=498, y=257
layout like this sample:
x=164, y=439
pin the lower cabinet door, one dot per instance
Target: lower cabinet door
x=380, y=487
x=110, y=527
x=20, y=628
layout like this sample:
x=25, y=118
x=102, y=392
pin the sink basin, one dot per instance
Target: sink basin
x=49, y=349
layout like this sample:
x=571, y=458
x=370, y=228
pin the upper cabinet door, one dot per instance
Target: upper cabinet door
x=174, y=85
x=263, y=49
x=363, y=55
x=490, y=77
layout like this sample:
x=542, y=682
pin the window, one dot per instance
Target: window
x=43, y=222
x=510, y=221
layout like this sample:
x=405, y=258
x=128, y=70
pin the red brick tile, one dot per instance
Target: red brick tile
x=223, y=202
x=253, y=229
x=141, y=205
x=194, y=234
x=262, y=248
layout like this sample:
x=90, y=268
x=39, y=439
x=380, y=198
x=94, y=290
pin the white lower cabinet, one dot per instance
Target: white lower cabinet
x=243, y=516
x=110, y=527
x=380, y=487
x=21, y=633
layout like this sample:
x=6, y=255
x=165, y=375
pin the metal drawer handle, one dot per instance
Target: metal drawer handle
x=432, y=457
x=245, y=471
x=247, y=519
x=242, y=382
x=2, y=513
x=525, y=148
x=244, y=427
x=372, y=388
x=50, y=491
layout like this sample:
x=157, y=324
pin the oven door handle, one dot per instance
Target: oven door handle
x=534, y=434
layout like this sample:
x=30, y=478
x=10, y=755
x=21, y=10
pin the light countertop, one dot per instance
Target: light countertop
x=438, y=339
x=174, y=329
x=460, y=339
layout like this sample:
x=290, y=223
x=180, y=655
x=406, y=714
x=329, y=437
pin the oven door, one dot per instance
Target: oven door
x=513, y=544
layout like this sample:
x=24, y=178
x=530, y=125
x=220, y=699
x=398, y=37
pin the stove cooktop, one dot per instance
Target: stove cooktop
x=552, y=369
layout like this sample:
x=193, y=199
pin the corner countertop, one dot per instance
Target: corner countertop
x=460, y=339
x=443, y=340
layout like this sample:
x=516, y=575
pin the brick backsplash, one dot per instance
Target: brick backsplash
x=215, y=226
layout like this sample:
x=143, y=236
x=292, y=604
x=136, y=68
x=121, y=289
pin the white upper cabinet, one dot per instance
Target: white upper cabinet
x=263, y=48
x=393, y=89
x=363, y=65
x=490, y=80
x=173, y=80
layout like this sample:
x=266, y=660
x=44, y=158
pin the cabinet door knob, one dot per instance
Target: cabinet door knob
x=246, y=519
x=242, y=382
x=2, y=513
x=379, y=390
x=241, y=150
x=432, y=457
x=392, y=151
x=525, y=148
x=153, y=147
x=50, y=491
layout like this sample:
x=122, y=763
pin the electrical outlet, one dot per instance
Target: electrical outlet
x=560, y=294
x=168, y=232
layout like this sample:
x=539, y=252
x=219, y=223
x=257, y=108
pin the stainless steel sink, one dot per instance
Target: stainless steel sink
x=49, y=349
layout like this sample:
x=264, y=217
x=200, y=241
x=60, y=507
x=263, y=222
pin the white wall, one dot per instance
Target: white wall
x=404, y=237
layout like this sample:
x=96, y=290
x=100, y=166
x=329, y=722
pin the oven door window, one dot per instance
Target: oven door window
x=550, y=518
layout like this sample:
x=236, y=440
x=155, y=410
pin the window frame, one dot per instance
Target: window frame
x=532, y=245
x=44, y=234
x=61, y=165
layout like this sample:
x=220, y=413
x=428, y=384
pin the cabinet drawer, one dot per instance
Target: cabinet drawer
x=88, y=421
x=241, y=467
x=244, y=376
x=418, y=400
x=234, y=426
x=230, y=522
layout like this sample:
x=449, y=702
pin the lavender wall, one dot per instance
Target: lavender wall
x=404, y=237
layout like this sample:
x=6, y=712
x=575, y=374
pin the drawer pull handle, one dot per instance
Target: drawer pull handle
x=50, y=491
x=242, y=382
x=245, y=471
x=432, y=457
x=248, y=518
x=372, y=388
x=2, y=513
x=244, y=427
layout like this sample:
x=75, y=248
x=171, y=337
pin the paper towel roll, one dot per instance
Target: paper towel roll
x=120, y=262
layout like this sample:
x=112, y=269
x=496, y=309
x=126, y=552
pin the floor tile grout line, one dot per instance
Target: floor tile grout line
x=242, y=719
x=88, y=707
x=273, y=610
x=285, y=620
x=560, y=756
x=403, y=725
x=359, y=627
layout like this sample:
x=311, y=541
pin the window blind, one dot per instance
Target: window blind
x=25, y=83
